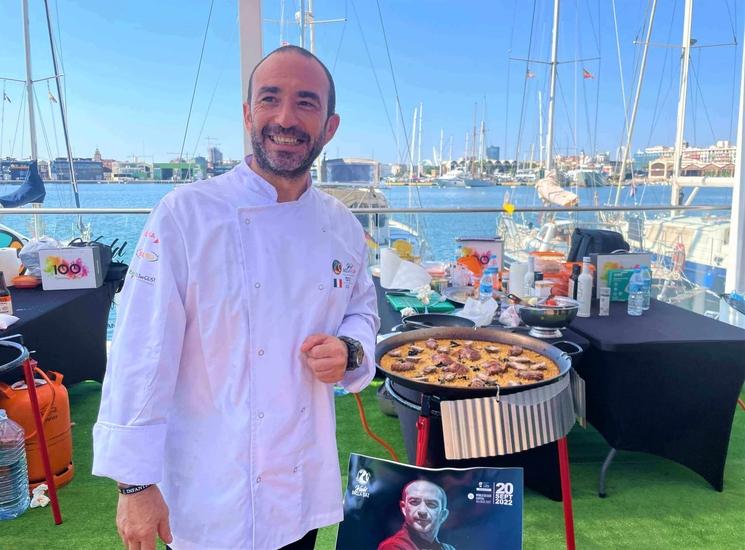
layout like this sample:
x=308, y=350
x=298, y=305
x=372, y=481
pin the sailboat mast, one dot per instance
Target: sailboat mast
x=442, y=137
x=630, y=129
x=63, y=112
x=552, y=90
x=482, y=148
x=540, y=128
x=473, y=143
x=419, y=144
x=413, y=145
x=301, y=22
x=736, y=264
x=680, y=126
x=29, y=82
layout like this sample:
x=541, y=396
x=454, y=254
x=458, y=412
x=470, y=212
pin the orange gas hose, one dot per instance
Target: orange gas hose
x=741, y=403
x=365, y=425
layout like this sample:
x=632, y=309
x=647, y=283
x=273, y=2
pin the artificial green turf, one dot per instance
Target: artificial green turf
x=653, y=503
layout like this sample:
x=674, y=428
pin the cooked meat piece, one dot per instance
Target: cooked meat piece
x=431, y=343
x=457, y=368
x=429, y=370
x=539, y=366
x=448, y=377
x=495, y=367
x=403, y=366
x=422, y=378
x=395, y=353
x=414, y=350
x=443, y=349
x=512, y=383
x=469, y=354
x=442, y=359
x=492, y=349
x=468, y=343
x=477, y=383
x=530, y=375
x=481, y=376
x=518, y=366
x=516, y=350
x=520, y=359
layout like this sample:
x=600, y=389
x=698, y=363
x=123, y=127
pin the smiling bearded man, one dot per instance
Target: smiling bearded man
x=217, y=413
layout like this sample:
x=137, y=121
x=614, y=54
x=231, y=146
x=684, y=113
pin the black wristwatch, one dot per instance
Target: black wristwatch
x=355, y=353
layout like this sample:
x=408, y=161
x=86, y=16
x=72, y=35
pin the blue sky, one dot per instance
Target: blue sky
x=130, y=69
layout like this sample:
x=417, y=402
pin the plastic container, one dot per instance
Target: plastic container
x=14, y=494
x=584, y=289
x=604, y=306
x=646, y=277
x=486, y=285
x=548, y=262
x=636, y=294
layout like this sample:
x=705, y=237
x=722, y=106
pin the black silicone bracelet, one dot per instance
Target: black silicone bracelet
x=132, y=489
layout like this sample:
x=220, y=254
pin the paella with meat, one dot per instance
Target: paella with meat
x=468, y=363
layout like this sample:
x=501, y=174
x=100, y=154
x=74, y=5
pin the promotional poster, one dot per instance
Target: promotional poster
x=394, y=506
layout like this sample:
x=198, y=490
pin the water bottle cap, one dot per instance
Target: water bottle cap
x=3, y=414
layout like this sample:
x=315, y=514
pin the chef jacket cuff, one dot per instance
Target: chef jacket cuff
x=129, y=454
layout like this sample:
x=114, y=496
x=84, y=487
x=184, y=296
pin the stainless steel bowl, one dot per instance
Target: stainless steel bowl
x=545, y=321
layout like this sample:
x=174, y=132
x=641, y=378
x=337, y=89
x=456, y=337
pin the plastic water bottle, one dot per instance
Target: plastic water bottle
x=14, y=495
x=486, y=285
x=646, y=276
x=636, y=294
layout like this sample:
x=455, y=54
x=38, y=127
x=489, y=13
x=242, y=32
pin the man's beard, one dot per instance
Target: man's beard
x=286, y=164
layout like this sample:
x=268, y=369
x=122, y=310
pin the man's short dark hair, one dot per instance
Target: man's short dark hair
x=331, y=106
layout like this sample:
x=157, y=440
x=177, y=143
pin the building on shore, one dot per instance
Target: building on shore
x=86, y=169
x=131, y=170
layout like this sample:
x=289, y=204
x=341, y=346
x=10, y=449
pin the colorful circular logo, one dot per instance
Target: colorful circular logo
x=336, y=266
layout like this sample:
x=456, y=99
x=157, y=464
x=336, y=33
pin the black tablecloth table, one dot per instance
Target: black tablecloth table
x=540, y=464
x=65, y=328
x=665, y=383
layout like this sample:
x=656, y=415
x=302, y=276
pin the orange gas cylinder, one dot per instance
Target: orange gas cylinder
x=55, y=412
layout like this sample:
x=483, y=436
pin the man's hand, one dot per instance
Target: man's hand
x=326, y=356
x=140, y=516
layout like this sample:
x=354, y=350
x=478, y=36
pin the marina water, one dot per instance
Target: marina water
x=440, y=230
x=14, y=495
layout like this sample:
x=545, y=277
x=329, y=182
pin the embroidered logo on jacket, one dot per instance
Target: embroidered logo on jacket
x=336, y=267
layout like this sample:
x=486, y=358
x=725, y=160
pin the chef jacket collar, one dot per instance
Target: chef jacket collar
x=263, y=188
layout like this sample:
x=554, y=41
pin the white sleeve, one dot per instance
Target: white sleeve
x=129, y=436
x=361, y=322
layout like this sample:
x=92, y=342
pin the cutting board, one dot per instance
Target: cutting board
x=400, y=302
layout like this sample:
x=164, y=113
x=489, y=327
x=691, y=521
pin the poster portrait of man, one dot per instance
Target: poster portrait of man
x=396, y=506
x=425, y=508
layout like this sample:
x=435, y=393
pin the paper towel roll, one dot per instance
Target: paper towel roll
x=517, y=278
x=9, y=264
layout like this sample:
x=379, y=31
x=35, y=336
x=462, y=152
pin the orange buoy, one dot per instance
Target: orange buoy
x=55, y=412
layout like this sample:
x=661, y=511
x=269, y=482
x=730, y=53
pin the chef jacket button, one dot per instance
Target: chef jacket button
x=258, y=479
x=261, y=415
x=294, y=470
x=261, y=352
x=302, y=411
x=247, y=221
x=323, y=229
x=257, y=285
x=320, y=287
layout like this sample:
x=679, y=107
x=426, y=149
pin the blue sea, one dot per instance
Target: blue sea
x=440, y=230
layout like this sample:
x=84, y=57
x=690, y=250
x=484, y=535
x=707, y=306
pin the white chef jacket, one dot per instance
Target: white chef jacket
x=206, y=393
